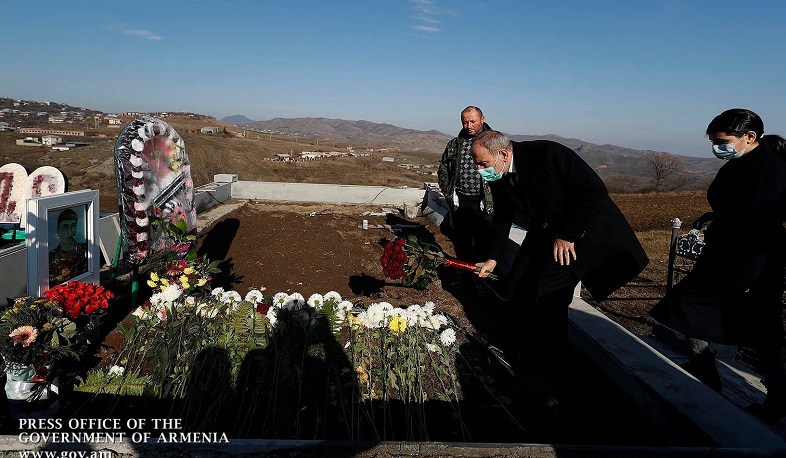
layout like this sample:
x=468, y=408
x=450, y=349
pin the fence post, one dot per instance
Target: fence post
x=675, y=230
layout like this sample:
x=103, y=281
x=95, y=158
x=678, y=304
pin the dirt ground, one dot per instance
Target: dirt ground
x=315, y=248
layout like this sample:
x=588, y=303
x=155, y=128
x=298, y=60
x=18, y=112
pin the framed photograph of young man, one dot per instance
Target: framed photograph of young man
x=62, y=240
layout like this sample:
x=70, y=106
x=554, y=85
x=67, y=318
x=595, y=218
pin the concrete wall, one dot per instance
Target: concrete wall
x=328, y=193
x=211, y=194
x=13, y=272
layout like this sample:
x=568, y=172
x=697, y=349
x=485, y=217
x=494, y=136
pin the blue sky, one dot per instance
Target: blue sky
x=646, y=74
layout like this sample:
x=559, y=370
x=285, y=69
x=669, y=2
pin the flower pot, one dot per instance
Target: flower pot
x=19, y=384
x=26, y=398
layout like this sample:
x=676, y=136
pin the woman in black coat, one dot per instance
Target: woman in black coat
x=734, y=293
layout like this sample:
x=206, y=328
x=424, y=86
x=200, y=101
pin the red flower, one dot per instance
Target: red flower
x=263, y=308
x=78, y=297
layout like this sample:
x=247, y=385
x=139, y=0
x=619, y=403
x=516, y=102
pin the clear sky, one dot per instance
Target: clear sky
x=646, y=74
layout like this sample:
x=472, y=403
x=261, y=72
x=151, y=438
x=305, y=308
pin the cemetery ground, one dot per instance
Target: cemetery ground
x=316, y=248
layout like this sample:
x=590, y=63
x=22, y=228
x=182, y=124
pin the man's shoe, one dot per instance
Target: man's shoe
x=704, y=368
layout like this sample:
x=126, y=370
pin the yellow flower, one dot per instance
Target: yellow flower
x=397, y=324
x=201, y=282
x=151, y=283
x=164, y=283
x=48, y=326
x=154, y=276
x=354, y=322
x=362, y=374
x=188, y=270
x=183, y=279
x=185, y=285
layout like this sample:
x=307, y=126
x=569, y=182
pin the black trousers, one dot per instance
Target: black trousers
x=540, y=304
x=471, y=229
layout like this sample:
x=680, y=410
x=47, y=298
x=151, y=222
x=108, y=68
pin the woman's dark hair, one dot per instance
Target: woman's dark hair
x=739, y=121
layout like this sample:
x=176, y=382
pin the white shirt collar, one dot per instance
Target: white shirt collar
x=512, y=168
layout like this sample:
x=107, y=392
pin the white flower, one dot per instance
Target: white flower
x=190, y=301
x=342, y=309
x=448, y=337
x=116, y=370
x=230, y=297
x=171, y=293
x=255, y=296
x=217, y=292
x=315, y=301
x=345, y=306
x=297, y=300
x=432, y=348
x=334, y=296
x=142, y=314
x=428, y=307
x=271, y=316
x=280, y=299
x=386, y=307
x=375, y=316
x=438, y=321
x=363, y=319
x=207, y=311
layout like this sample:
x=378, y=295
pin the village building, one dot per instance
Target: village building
x=51, y=140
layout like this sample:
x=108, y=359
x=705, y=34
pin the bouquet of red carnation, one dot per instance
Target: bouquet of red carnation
x=77, y=298
x=416, y=263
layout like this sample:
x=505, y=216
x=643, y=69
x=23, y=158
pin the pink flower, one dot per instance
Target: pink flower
x=24, y=335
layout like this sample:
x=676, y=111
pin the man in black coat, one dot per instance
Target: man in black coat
x=575, y=232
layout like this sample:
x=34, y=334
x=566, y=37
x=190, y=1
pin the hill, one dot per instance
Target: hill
x=367, y=132
x=238, y=120
x=622, y=168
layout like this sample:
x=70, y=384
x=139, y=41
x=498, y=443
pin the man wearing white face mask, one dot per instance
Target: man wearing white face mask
x=574, y=232
x=734, y=293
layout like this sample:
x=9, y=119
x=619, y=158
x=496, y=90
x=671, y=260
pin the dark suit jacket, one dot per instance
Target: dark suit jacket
x=561, y=196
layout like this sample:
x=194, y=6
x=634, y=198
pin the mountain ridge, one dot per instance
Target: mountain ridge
x=405, y=139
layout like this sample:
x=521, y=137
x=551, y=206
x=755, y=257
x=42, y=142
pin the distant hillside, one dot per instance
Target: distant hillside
x=365, y=132
x=238, y=120
x=607, y=159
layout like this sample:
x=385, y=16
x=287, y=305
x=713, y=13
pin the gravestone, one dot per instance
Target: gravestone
x=154, y=186
x=12, y=183
x=16, y=187
x=44, y=181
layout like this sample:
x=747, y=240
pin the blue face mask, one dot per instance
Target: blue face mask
x=489, y=173
x=728, y=151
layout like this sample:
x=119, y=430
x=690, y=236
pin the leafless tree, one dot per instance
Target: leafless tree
x=664, y=167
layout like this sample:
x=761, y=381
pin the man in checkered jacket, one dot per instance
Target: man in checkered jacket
x=468, y=196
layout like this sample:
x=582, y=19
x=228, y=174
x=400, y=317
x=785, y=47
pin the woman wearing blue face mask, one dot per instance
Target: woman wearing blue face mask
x=734, y=293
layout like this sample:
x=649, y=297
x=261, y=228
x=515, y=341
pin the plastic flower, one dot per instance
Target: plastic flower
x=24, y=335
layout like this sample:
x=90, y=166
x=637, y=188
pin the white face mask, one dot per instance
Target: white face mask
x=728, y=151
x=491, y=173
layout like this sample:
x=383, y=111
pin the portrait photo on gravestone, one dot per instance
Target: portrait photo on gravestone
x=68, y=258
